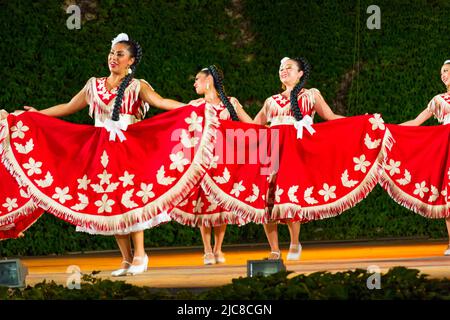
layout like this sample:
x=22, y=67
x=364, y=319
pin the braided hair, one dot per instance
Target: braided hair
x=304, y=66
x=217, y=75
x=135, y=52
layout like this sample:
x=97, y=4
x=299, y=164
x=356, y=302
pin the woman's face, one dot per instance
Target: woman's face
x=201, y=81
x=119, y=58
x=445, y=74
x=290, y=73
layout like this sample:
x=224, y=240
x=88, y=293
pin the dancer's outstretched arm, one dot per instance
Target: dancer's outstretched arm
x=150, y=96
x=323, y=109
x=77, y=103
x=261, y=117
x=421, y=118
x=242, y=115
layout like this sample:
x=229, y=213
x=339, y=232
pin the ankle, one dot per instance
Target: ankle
x=274, y=255
x=137, y=260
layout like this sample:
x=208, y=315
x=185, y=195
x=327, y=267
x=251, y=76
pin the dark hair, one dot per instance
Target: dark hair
x=217, y=75
x=135, y=52
x=304, y=66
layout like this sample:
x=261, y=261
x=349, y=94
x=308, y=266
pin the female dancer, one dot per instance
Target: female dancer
x=293, y=75
x=199, y=209
x=114, y=158
x=404, y=159
x=341, y=179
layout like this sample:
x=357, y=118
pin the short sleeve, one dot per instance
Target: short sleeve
x=144, y=107
x=308, y=100
x=89, y=88
x=436, y=108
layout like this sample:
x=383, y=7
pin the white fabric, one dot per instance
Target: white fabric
x=446, y=119
x=306, y=123
x=160, y=218
x=120, y=37
x=116, y=128
x=284, y=60
x=282, y=120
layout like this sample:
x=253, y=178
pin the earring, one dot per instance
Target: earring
x=129, y=70
x=207, y=86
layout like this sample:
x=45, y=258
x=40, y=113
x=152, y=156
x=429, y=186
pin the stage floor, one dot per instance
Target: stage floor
x=183, y=267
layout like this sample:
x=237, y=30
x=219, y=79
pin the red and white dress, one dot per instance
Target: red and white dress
x=203, y=207
x=17, y=210
x=327, y=172
x=103, y=185
x=416, y=173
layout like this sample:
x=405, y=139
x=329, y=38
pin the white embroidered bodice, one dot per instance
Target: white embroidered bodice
x=101, y=102
x=278, y=108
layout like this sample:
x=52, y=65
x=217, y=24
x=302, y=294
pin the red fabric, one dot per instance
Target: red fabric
x=323, y=174
x=239, y=182
x=206, y=208
x=200, y=209
x=416, y=172
x=76, y=173
x=17, y=210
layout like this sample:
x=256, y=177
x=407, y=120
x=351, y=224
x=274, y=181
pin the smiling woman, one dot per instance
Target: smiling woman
x=104, y=179
x=201, y=210
x=316, y=178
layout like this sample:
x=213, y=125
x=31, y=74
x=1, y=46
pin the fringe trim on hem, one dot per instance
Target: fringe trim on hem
x=116, y=224
x=206, y=220
x=237, y=207
x=161, y=218
x=38, y=211
x=329, y=210
x=398, y=195
x=411, y=203
x=24, y=210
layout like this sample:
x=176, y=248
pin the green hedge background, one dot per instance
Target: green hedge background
x=396, y=74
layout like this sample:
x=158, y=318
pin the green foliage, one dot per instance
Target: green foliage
x=398, y=283
x=45, y=64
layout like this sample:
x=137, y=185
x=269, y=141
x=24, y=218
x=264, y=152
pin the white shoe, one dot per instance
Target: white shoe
x=296, y=255
x=220, y=258
x=209, y=258
x=140, y=268
x=447, y=252
x=274, y=255
x=122, y=271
